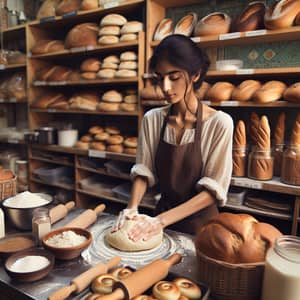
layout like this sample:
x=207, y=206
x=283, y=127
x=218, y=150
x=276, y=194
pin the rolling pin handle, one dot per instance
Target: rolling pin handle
x=113, y=262
x=99, y=209
x=69, y=205
x=174, y=259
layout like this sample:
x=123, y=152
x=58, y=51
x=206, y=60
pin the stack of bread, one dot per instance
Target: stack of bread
x=130, y=30
x=89, y=68
x=109, y=66
x=51, y=99
x=128, y=65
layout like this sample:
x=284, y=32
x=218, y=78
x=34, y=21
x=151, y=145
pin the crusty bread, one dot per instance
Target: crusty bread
x=47, y=99
x=60, y=73
x=245, y=90
x=253, y=128
x=108, y=106
x=127, y=37
x=163, y=29
x=109, y=30
x=89, y=4
x=201, y=92
x=6, y=174
x=295, y=136
x=269, y=92
x=112, y=96
x=108, y=40
x=88, y=75
x=109, y=65
x=252, y=17
x=111, y=59
x=128, y=65
x=280, y=129
x=128, y=56
x=263, y=140
x=126, y=73
x=239, y=138
x=131, y=27
x=236, y=238
x=47, y=9
x=66, y=6
x=90, y=65
x=292, y=93
x=220, y=91
x=106, y=73
x=186, y=24
x=113, y=19
x=47, y=46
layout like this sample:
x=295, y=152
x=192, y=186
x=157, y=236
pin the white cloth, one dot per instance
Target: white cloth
x=216, y=150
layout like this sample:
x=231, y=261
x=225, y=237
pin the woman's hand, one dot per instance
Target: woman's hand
x=127, y=213
x=145, y=228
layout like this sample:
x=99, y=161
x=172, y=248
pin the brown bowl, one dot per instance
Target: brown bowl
x=67, y=253
x=32, y=275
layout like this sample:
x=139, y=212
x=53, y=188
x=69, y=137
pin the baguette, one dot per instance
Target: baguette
x=280, y=130
x=263, y=141
x=292, y=93
x=254, y=123
x=271, y=91
x=245, y=90
x=239, y=139
x=295, y=137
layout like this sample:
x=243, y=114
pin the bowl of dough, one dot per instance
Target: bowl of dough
x=19, y=208
x=67, y=243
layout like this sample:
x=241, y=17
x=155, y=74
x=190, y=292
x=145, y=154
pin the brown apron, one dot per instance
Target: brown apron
x=178, y=169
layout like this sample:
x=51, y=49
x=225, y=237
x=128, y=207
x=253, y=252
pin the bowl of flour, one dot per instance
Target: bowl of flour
x=20, y=208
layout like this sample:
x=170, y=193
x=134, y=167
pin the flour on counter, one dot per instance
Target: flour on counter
x=29, y=263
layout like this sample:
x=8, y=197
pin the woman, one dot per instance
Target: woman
x=185, y=146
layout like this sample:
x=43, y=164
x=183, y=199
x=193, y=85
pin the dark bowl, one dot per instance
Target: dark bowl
x=33, y=275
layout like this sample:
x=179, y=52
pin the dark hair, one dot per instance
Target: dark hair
x=183, y=53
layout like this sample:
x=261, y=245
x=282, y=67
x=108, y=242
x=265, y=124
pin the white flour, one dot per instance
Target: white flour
x=66, y=239
x=25, y=200
x=29, y=263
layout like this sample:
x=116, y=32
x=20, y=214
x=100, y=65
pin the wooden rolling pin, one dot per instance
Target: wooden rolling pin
x=59, y=211
x=79, y=283
x=138, y=282
x=87, y=218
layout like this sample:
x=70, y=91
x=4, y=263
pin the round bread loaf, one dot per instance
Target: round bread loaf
x=131, y=27
x=98, y=146
x=128, y=55
x=112, y=96
x=163, y=29
x=115, y=148
x=188, y=288
x=236, y=238
x=89, y=4
x=82, y=145
x=252, y=17
x=185, y=25
x=292, y=93
x=128, y=65
x=121, y=273
x=89, y=75
x=106, y=73
x=220, y=91
x=113, y=19
x=109, y=65
x=128, y=37
x=131, y=98
x=108, y=40
x=271, y=91
x=66, y=6
x=166, y=290
x=47, y=9
x=126, y=73
x=128, y=107
x=96, y=129
x=245, y=90
x=130, y=151
x=6, y=174
x=103, y=284
x=86, y=138
x=108, y=106
x=102, y=137
x=90, y=65
x=131, y=142
x=112, y=130
x=47, y=46
x=109, y=30
x=213, y=24
x=115, y=139
x=111, y=59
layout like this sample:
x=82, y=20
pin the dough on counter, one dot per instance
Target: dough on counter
x=119, y=239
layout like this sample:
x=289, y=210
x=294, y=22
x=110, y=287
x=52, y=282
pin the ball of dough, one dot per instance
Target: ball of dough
x=120, y=240
x=188, y=288
x=166, y=290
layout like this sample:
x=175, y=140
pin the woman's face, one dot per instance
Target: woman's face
x=173, y=81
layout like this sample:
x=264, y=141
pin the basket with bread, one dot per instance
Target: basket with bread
x=231, y=251
x=8, y=184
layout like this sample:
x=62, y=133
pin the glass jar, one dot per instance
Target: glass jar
x=278, y=153
x=260, y=164
x=282, y=270
x=239, y=161
x=290, y=172
x=41, y=223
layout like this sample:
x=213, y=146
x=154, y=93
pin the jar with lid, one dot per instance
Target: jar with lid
x=41, y=223
x=290, y=172
x=282, y=270
x=239, y=160
x=278, y=153
x=260, y=164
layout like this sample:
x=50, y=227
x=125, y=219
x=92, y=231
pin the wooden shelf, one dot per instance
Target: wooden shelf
x=87, y=82
x=51, y=161
x=58, y=185
x=14, y=29
x=246, y=38
x=12, y=67
x=12, y=100
x=14, y=142
x=88, y=50
x=177, y=3
x=113, y=199
x=104, y=172
x=271, y=185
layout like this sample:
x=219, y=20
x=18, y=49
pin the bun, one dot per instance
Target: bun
x=126, y=73
x=96, y=130
x=106, y=106
x=112, y=96
x=111, y=59
x=131, y=99
x=66, y=6
x=115, y=139
x=108, y=40
x=128, y=65
x=128, y=107
x=112, y=130
x=271, y=91
x=131, y=142
x=220, y=91
x=213, y=24
x=185, y=25
x=106, y=73
x=130, y=151
x=280, y=129
x=282, y=14
x=127, y=37
x=81, y=35
x=109, y=30
x=245, y=90
x=89, y=4
x=252, y=17
x=121, y=273
x=82, y=145
x=86, y=138
x=6, y=174
x=163, y=29
x=47, y=46
x=90, y=65
x=47, y=9
x=239, y=139
x=295, y=137
x=236, y=238
x=292, y=93
x=188, y=288
x=113, y=19
x=128, y=55
x=263, y=140
x=132, y=27
x=98, y=146
x=115, y=148
x=103, y=284
x=109, y=65
x=89, y=75
x=102, y=137
x=165, y=290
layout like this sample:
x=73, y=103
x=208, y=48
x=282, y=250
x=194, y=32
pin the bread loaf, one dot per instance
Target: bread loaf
x=47, y=9
x=213, y=24
x=128, y=56
x=47, y=99
x=59, y=73
x=108, y=106
x=128, y=107
x=128, y=37
x=82, y=145
x=263, y=140
x=47, y=46
x=109, y=30
x=245, y=90
x=252, y=17
x=151, y=92
x=282, y=14
x=163, y=29
x=270, y=91
x=254, y=123
x=131, y=27
x=112, y=96
x=128, y=65
x=126, y=73
x=109, y=65
x=106, y=73
x=89, y=4
x=66, y=6
x=6, y=174
x=280, y=129
x=90, y=65
x=295, y=136
x=236, y=238
x=108, y=40
x=88, y=75
x=292, y=93
x=239, y=139
x=185, y=25
x=113, y=19
x=111, y=59
x=220, y=91
x=60, y=104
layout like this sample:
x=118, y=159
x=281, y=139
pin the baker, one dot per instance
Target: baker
x=185, y=147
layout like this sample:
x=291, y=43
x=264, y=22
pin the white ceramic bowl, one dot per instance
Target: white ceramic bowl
x=229, y=64
x=68, y=137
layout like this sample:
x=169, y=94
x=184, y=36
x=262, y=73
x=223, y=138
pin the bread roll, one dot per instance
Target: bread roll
x=112, y=96
x=130, y=151
x=131, y=27
x=188, y=288
x=113, y=19
x=295, y=137
x=185, y=25
x=245, y=90
x=128, y=65
x=128, y=107
x=220, y=91
x=163, y=29
x=239, y=138
x=128, y=37
x=47, y=9
x=66, y=6
x=98, y=146
x=47, y=99
x=108, y=40
x=269, y=92
x=109, y=65
x=115, y=148
x=236, y=238
x=102, y=137
x=47, y=46
x=90, y=65
x=131, y=99
x=252, y=17
x=280, y=129
x=112, y=130
x=121, y=273
x=111, y=59
x=106, y=106
x=74, y=75
x=201, y=92
x=89, y=4
x=126, y=73
x=263, y=140
x=106, y=73
x=86, y=138
x=128, y=55
x=292, y=93
x=103, y=284
x=109, y=30
x=96, y=129
x=89, y=75
x=82, y=145
x=131, y=142
x=282, y=14
x=213, y=24
x=115, y=139
x=81, y=35
x=166, y=290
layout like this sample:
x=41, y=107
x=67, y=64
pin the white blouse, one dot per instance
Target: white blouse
x=216, y=150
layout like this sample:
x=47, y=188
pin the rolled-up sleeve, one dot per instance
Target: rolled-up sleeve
x=217, y=158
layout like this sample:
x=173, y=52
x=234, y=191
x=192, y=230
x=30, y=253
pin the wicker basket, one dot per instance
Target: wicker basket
x=8, y=188
x=231, y=281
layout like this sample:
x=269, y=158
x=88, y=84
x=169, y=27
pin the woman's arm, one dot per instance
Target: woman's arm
x=138, y=190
